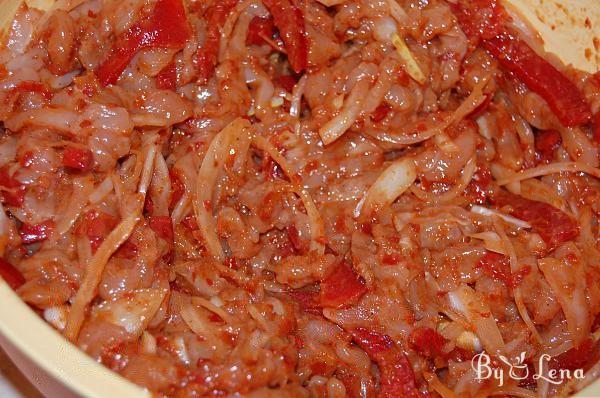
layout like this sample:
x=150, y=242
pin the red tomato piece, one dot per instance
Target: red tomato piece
x=553, y=225
x=288, y=82
x=289, y=20
x=96, y=225
x=258, y=29
x=177, y=189
x=484, y=21
x=342, y=288
x=307, y=300
x=29, y=86
x=163, y=227
x=127, y=250
x=397, y=378
x=11, y=275
x=380, y=112
x=167, y=77
x=206, y=56
x=497, y=266
x=12, y=191
x=427, y=341
x=546, y=143
x=78, y=159
x=36, y=233
x=166, y=27
x=478, y=189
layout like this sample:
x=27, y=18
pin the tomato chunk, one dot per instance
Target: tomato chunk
x=553, y=225
x=497, y=266
x=342, y=288
x=167, y=77
x=289, y=20
x=258, y=29
x=396, y=373
x=163, y=227
x=427, y=341
x=380, y=112
x=78, y=159
x=596, y=127
x=12, y=191
x=207, y=55
x=37, y=232
x=166, y=27
x=11, y=275
x=96, y=225
x=484, y=21
x=546, y=143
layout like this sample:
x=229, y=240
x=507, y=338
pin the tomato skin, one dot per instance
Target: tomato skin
x=163, y=227
x=166, y=27
x=36, y=233
x=553, y=225
x=12, y=191
x=78, y=159
x=427, y=341
x=396, y=373
x=380, y=112
x=289, y=20
x=546, y=143
x=342, y=288
x=11, y=275
x=258, y=29
x=484, y=22
x=497, y=266
x=167, y=77
x=206, y=56
x=288, y=82
x=96, y=225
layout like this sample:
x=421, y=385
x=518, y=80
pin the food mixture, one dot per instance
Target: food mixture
x=303, y=198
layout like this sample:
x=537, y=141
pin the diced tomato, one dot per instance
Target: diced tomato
x=577, y=358
x=427, y=341
x=342, y=288
x=166, y=27
x=294, y=238
x=288, y=82
x=96, y=225
x=189, y=222
x=289, y=20
x=30, y=86
x=307, y=300
x=553, y=225
x=127, y=250
x=206, y=56
x=12, y=191
x=258, y=29
x=397, y=378
x=391, y=258
x=546, y=143
x=167, y=77
x=478, y=189
x=380, y=112
x=163, y=227
x=37, y=232
x=231, y=262
x=485, y=21
x=78, y=159
x=11, y=275
x=497, y=266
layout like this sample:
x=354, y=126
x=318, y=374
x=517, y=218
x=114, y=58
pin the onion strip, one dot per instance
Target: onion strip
x=552, y=168
x=95, y=266
x=218, y=151
x=435, y=198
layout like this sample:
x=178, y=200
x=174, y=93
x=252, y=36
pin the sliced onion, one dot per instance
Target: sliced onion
x=336, y=127
x=552, y=168
x=484, y=211
x=393, y=182
x=466, y=302
x=410, y=63
x=491, y=241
